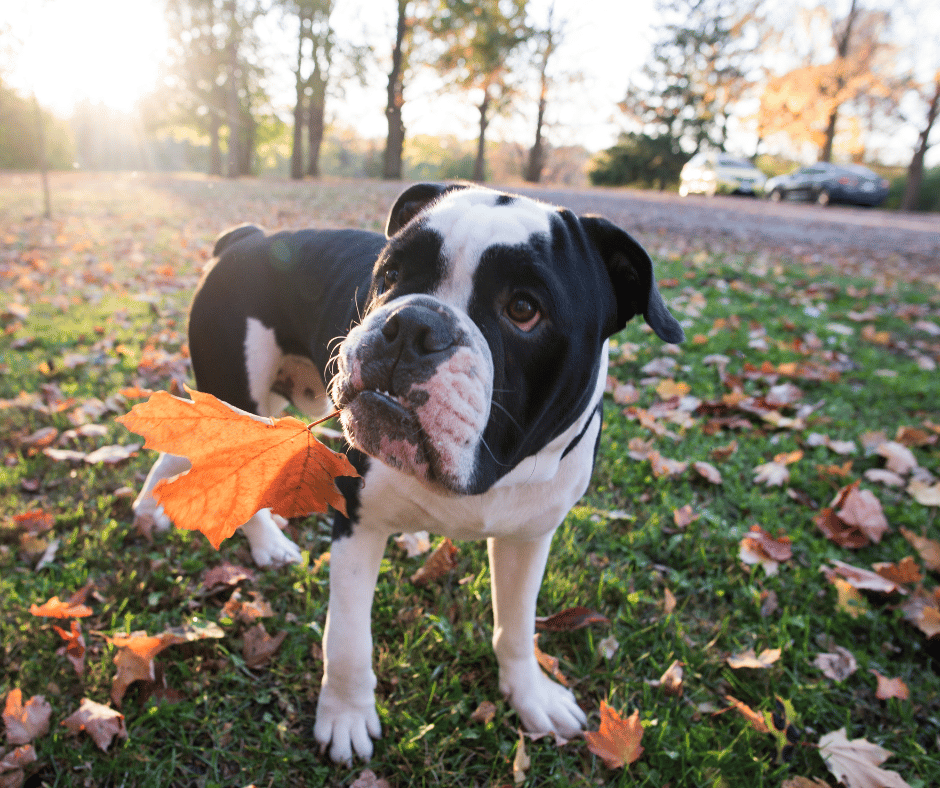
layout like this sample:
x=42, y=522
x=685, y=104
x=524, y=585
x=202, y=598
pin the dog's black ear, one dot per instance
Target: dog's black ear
x=412, y=201
x=631, y=272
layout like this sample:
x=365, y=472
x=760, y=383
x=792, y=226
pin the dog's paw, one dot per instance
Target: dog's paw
x=543, y=705
x=269, y=546
x=148, y=519
x=346, y=728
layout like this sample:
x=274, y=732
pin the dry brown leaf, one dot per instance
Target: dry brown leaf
x=549, y=663
x=927, y=549
x=247, y=612
x=225, y=575
x=849, y=599
x=671, y=680
x=804, y=782
x=663, y=466
x=905, y=571
x=861, y=509
x=240, y=463
x=925, y=494
x=900, y=458
x=369, y=779
x=857, y=763
x=669, y=602
x=772, y=474
x=890, y=688
x=760, y=547
x=748, y=659
x=100, y=722
x=837, y=531
x=722, y=453
x=74, y=648
x=484, y=713
x=707, y=471
x=755, y=718
x=923, y=611
x=837, y=665
x=259, y=647
x=12, y=764
x=914, y=436
x=25, y=722
x=414, y=544
x=570, y=619
x=669, y=388
x=684, y=516
x=617, y=742
x=862, y=579
x=520, y=761
x=438, y=564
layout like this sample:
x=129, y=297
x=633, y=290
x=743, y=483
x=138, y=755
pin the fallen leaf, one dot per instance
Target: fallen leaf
x=12, y=763
x=755, y=718
x=862, y=579
x=837, y=665
x=225, y=575
x=860, y=508
x=549, y=663
x=927, y=549
x=100, y=722
x=773, y=474
x=55, y=608
x=890, y=688
x=617, y=742
x=748, y=659
x=608, y=647
x=35, y=521
x=570, y=619
x=369, y=779
x=884, y=476
x=669, y=602
x=112, y=455
x=671, y=680
x=520, y=761
x=247, y=612
x=760, y=547
x=856, y=763
x=848, y=600
x=925, y=494
x=684, y=516
x=837, y=531
x=707, y=471
x=74, y=648
x=668, y=388
x=240, y=463
x=484, y=713
x=923, y=611
x=900, y=458
x=25, y=722
x=804, y=782
x=722, y=453
x=414, y=544
x=259, y=646
x=905, y=571
x=663, y=466
x=914, y=436
x=438, y=564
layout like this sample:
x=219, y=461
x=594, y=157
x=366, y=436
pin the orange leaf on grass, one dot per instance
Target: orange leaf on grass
x=240, y=463
x=56, y=608
x=25, y=722
x=98, y=721
x=617, y=742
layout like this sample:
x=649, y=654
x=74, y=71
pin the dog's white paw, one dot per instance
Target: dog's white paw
x=151, y=518
x=269, y=546
x=346, y=727
x=543, y=705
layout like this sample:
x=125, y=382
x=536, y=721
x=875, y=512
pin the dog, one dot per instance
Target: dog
x=467, y=352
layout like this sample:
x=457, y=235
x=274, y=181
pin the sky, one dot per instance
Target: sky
x=109, y=51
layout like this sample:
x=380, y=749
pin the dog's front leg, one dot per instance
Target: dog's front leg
x=346, y=716
x=516, y=569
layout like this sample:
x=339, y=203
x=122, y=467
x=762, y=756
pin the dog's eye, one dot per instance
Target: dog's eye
x=523, y=311
x=390, y=279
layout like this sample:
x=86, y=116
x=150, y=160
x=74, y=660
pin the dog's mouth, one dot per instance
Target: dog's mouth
x=386, y=427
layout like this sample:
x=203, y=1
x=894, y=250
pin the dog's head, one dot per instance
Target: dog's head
x=482, y=336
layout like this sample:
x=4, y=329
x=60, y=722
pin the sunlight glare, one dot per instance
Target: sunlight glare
x=103, y=50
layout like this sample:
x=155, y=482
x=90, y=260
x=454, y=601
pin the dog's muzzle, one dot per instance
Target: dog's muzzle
x=414, y=386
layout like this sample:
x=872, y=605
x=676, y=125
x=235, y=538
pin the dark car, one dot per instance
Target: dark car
x=829, y=183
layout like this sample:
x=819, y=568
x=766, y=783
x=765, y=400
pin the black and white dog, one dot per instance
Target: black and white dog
x=470, y=376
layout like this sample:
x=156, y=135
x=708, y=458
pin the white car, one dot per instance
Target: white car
x=712, y=172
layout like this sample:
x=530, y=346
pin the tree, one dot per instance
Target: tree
x=806, y=103
x=479, y=38
x=641, y=160
x=700, y=68
x=915, y=170
x=546, y=42
x=395, y=142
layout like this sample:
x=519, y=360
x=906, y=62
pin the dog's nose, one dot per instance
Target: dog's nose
x=418, y=331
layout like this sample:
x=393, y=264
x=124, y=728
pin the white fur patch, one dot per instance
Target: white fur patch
x=262, y=361
x=470, y=221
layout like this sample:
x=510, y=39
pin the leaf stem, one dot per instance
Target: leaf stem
x=327, y=417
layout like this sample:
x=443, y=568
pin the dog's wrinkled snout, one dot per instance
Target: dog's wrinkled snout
x=414, y=332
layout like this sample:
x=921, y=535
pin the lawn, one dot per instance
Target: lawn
x=796, y=383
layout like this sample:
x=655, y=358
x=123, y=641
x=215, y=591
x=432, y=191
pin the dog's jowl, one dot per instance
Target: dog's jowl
x=467, y=351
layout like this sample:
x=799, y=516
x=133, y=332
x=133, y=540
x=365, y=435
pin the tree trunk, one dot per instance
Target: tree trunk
x=234, y=119
x=315, y=119
x=215, y=147
x=297, y=147
x=479, y=166
x=842, y=41
x=533, y=172
x=826, y=152
x=395, y=143
x=43, y=168
x=915, y=171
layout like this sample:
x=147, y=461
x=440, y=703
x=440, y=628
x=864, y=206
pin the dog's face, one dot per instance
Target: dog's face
x=483, y=332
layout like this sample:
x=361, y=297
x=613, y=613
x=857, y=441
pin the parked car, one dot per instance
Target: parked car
x=829, y=183
x=711, y=172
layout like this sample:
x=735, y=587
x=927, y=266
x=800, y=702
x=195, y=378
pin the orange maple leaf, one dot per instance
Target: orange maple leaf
x=617, y=742
x=56, y=608
x=240, y=463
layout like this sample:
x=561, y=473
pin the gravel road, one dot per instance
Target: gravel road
x=860, y=240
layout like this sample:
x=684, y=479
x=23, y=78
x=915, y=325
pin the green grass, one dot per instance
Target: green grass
x=113, y=274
